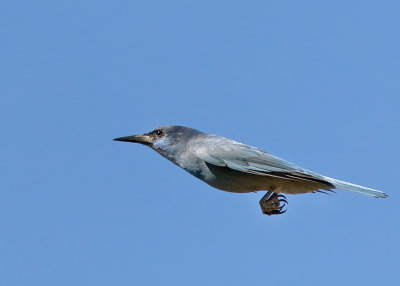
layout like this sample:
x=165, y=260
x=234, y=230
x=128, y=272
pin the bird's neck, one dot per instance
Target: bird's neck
x=168, y=150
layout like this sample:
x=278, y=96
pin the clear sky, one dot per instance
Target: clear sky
x=316, y=83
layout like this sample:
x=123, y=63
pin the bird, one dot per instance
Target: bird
x=235, y=167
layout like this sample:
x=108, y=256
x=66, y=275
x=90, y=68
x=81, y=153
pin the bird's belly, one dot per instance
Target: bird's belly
x=229, y=180
x=244, y=186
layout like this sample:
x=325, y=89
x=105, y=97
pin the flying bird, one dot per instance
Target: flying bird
x=235, y=167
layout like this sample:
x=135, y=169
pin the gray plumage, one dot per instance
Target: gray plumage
x=235, y=167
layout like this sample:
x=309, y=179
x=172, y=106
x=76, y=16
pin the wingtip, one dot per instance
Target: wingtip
x=382, y=196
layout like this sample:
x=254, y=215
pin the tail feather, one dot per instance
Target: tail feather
x=345, y=186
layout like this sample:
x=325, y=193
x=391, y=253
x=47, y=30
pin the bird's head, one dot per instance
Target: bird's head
x=166, y=140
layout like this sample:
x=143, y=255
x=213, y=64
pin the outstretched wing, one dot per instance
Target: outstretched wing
x=223, y=152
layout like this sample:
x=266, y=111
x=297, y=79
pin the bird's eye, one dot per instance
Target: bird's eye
x=159, y=132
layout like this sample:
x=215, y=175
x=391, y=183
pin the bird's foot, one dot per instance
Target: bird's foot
x=274, y=204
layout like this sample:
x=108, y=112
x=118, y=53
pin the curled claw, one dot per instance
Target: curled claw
x=282, y=212
x=283, y=201
x=282, y=198
x=281, y=208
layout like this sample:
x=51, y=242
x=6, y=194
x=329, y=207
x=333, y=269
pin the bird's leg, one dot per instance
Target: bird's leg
x=273, y=203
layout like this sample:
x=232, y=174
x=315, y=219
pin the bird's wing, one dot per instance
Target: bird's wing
x=223, y=152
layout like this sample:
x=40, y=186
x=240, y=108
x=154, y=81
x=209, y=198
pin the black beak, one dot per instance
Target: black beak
x=141, y=139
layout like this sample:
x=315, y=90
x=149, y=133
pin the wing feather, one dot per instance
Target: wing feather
x=223, y=152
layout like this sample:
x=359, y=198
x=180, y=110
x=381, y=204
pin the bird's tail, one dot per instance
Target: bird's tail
x=345, y=186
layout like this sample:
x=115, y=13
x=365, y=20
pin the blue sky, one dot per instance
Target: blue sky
x=315, y=83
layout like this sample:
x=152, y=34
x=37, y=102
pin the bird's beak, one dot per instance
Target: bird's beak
x=142, y=139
